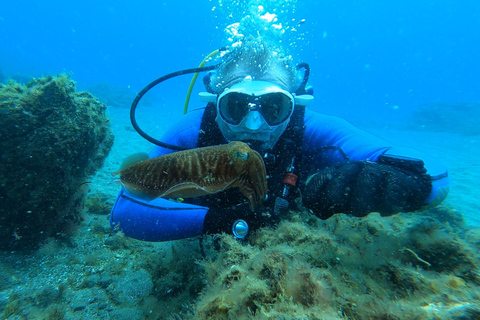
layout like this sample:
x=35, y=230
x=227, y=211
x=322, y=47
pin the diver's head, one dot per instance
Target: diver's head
x=256, y=59
x=255, y=101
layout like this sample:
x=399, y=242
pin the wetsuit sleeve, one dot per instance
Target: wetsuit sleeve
x=162, y=219
x=328, y=140
x=156, y=220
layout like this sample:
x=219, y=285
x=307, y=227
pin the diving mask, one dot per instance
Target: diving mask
x=256, y=112
x=274, y=104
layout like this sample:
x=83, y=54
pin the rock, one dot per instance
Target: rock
x=98, y=280
x=52, y=139
x=47, y=295
x=91, y=298
x=131, y=287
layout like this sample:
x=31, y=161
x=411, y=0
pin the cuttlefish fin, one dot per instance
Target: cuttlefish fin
x=191, y=189
x=137, y=191
x=132, y=160
x=181, y=190
x=185, y=190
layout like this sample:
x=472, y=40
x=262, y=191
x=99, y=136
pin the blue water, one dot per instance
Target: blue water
x=369, y=58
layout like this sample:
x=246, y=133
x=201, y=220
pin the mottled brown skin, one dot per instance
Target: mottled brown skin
x=199, y=172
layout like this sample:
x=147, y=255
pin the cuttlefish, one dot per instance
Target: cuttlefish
x=198, y=172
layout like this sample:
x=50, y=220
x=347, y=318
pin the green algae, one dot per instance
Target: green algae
x=407, y=266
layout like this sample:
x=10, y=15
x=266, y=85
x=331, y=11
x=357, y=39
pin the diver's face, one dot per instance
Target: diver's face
x=255, y=111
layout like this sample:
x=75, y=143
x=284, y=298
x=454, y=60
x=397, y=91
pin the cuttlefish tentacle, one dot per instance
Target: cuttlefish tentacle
x=252, y=181
x=199, y=172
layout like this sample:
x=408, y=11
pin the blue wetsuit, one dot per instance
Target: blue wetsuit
x=326, y=140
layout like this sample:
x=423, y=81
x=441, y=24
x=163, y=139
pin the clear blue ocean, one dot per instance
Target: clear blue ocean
x=407, y=71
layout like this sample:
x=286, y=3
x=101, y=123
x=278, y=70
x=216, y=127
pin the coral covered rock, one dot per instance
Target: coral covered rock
x=52, y=138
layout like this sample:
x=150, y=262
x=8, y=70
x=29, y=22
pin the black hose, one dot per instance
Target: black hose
x=139, y=96
x=301, y=88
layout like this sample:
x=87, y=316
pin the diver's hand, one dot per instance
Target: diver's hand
x=361, y=187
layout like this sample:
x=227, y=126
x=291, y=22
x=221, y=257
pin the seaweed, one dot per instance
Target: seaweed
x=408, y=266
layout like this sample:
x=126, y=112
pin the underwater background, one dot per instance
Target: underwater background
x=406, y=71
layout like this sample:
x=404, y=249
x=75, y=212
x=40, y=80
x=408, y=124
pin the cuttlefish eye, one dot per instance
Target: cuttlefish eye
x=242, y=155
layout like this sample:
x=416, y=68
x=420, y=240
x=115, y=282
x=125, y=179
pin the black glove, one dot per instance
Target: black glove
x=361, y=187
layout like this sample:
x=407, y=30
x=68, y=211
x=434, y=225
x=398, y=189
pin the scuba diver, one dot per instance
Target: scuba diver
x=259, y=96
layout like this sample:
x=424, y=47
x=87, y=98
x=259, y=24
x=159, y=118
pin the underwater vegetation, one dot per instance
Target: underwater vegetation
x=53, y=138
x=408, y=266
